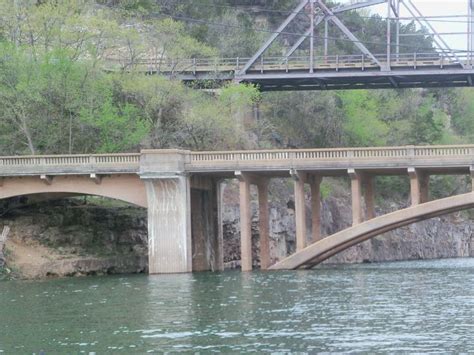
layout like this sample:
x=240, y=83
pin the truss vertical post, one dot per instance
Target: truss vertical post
x=319, y=18
x=326, y=35
x=311, y=38
x=440, y=42
x=397, y=38
x=468, y=44
x=389, y=30
x=470, y=36
x=335, y=20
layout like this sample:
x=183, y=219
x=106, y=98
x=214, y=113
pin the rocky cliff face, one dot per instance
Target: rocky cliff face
x=68, y=238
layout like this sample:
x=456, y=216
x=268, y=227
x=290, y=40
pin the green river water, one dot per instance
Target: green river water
x=423, y=306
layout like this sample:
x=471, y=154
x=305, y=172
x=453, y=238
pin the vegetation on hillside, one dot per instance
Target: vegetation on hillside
x=57, y=97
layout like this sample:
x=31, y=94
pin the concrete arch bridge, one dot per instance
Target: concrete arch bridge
x=182, y=192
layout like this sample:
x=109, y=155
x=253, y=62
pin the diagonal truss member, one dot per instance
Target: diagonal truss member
x=327, y=15
x=322, y=13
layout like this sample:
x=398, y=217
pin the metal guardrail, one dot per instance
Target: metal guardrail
x=332, y=62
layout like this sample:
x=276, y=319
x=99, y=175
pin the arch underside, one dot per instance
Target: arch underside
x=128, y=187
x=340, y=241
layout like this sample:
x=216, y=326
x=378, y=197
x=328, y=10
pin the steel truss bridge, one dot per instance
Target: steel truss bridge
x=398, y=67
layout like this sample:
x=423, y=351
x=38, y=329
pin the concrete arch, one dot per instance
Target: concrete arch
x=329, y=246
x=126, y=187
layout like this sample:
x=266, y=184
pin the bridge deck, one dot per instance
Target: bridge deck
x=329, y=72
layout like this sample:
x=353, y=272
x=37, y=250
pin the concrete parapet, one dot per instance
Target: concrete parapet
x=165, y=162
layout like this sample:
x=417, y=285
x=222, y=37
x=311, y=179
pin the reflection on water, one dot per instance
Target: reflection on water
x=407, y=306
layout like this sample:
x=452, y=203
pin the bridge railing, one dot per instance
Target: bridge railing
x=346, y=154
x=64, y=164
x=233, y=160
x=265, y=64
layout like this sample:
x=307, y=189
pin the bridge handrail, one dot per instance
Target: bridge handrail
x=133, y=159
x=86, y=159
x=302, y=62
x=336, y=153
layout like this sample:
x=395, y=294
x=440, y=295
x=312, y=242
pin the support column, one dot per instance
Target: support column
x=424, y=187
x=356, y=196
x=471, y=172
x=315, y=183
x=169, y=216
x=300, y=209
x=263, y=224
x=206, y=239
x=220, y=225
x=169, y=225
x=419, y=186
x=369, y=196
x=245, y=222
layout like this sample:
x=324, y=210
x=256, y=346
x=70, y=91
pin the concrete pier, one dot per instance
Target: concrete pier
x=263, y=224
x=300, y=209
x=207, y=246
x=245, y=222
x=169, y=225
x=356, y=194
x=315, y=183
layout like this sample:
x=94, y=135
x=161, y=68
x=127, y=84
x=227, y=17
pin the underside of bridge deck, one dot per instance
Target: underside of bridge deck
x=351, y=80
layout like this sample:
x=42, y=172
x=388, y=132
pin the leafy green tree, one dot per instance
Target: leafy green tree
x=362, y=126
